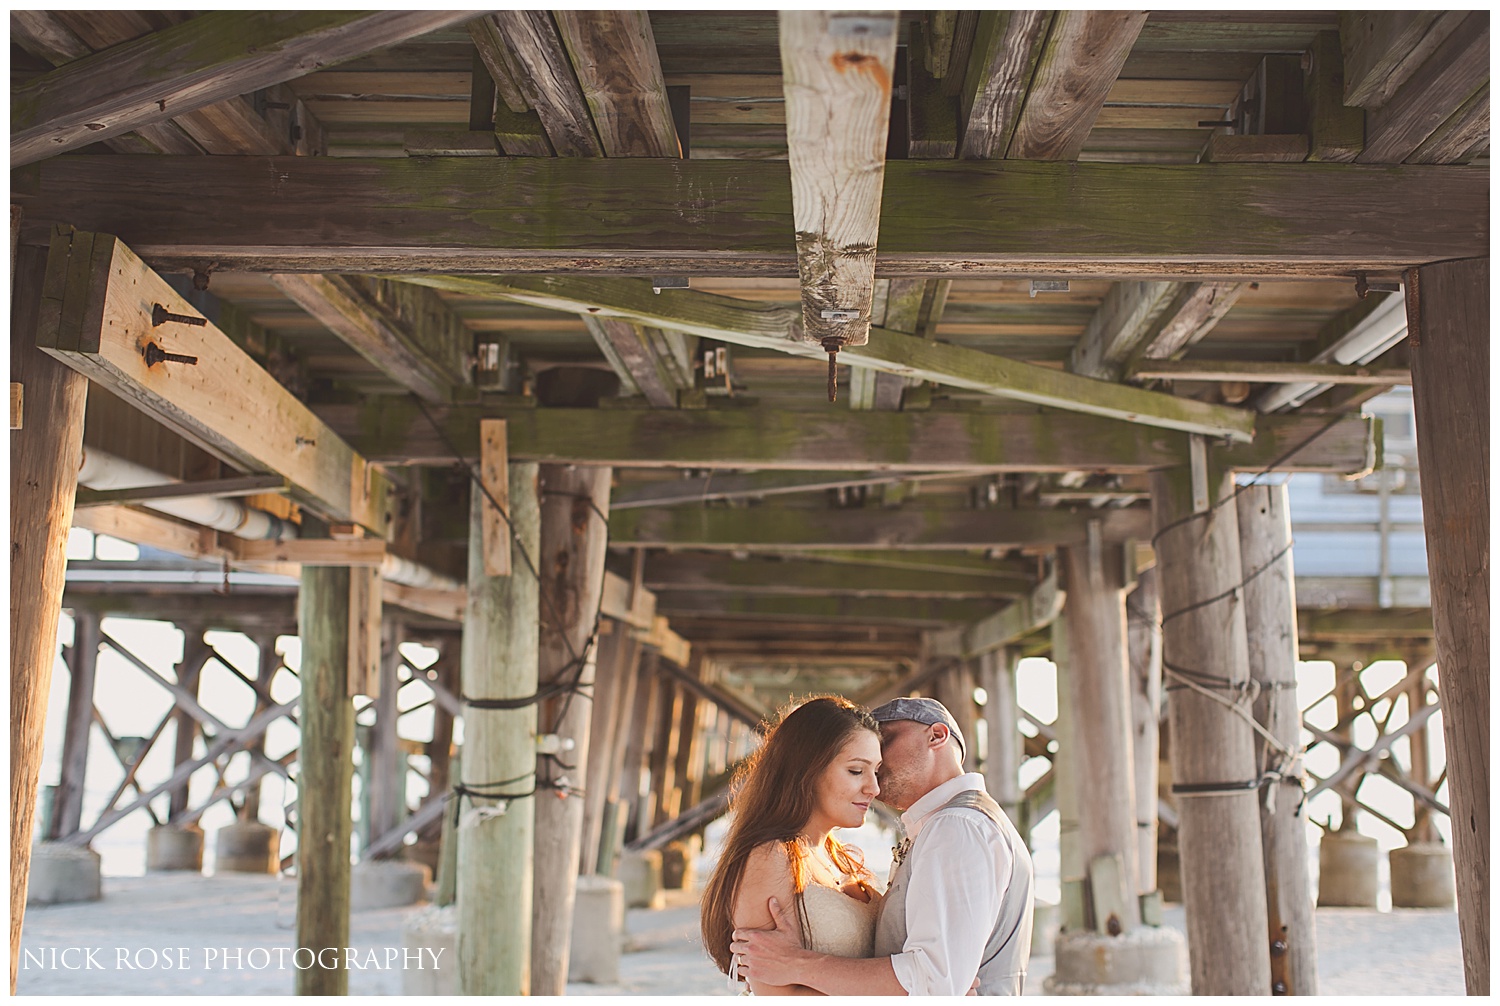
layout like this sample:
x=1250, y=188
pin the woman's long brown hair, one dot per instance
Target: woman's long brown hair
x=773, y=795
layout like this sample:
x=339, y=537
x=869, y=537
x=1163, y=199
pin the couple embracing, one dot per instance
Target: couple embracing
x=793, y=911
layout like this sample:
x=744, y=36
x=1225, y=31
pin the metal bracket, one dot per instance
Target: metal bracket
x=1049, y=286
x=839, y=314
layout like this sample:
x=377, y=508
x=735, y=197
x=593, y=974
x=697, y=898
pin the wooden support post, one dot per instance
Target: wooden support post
x=44, y=458
x=686, y=773
x=1421, y=758
x=268, y=663
x=195, y=653
x=574, y=532
x=67, y=801
x=1143, y=640
x=625, y=722
x=1345, y=692
x=1072, y=869
x=664, y=752
x=1271, y=631
x=637, y=747
x=499, y=661
x=385, y=745
x=612, y=665
x=955, y=689
x=1002, y=766
x=1448, y=308
x=325, y=775
x=1098, y=694
x=1223, y=876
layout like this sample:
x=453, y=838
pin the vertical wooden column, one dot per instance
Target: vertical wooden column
x=325, y=775
x=499, y=661
x=664, y=752
x=1002, y=717
x=44, y=458
x=1271, y=632
x=1072, y=868
x=636, y=816
x=1143, y=641
x=685, y=773
x=385, y=744
x=575, y=532
x=1212, y=750
x=955, y=689
x=616, y=800
x=1448, y=310
x=195, y=654
x=1345, y=692
x=1421, y=760
x=1099, y=700
x=268, y=662
x=616, y=651
x=67, y=802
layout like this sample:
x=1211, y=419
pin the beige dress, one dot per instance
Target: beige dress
x=840, y=925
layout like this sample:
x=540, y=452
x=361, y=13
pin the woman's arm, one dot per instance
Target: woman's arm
x=767, y=875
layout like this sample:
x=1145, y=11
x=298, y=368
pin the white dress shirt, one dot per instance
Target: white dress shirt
x=960, y=867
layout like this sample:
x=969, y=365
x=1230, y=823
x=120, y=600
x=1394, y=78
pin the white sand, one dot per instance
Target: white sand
x=1360, y=951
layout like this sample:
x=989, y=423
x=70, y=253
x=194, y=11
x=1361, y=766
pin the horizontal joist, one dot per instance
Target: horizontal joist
x=712, y=218
x=754, y=484
x=218, y=55
x=1257, y=372
x=885, y=610
x=1034, y=611
x=794, y=578
x=395, y=431
x=762, y=528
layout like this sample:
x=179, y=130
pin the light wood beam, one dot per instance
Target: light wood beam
x=1080, y=61
x=518, y=128
x=1457, y=69
x=713, y=218
x=207, y=59
x=836, y=69
x=1193, y=313
x=887, y=611
x=613, y=53
x=1268, y=373
x=649, y=361
x=1129, y=313
x=97, y=318
x=1007, y=45
x=1031, y=613
x=795, y=577
x=547, y=82
x=409, y=333
x=756, y=484
x=748, y=324
x=791, y=530
x=392, y=431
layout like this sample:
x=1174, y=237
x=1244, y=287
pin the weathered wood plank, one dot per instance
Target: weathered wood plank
x=931, y=115
x=392, y=431
x=803, y=578
x=626, y=347
x=187, y=66
x=1196, y=309
x=1080, y=62
x=887, y=611
x=763, y=528
x=547, y=82
x=1257, y=372
x=1030, y=613
x=755, y=484
x=1335, y=130
x=97, y=318
x=409, y=333
x=1383, y=48
x=1126, y=318
x=613, y=54
x=836, y=71
x=1007, y=45
x=1460, y=138
x=311, y=214
x=494, y=475
x=1271, y=148
x=892, y=352
x=1450, y=76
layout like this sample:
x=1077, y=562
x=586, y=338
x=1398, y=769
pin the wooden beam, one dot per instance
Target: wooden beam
x=1461, y=136
x=310, y=551
x=1194, y=311
x=1335, y=130
x=1080, y=61
x=1383, y=48
x=802, y=578
x=649, y=361
x=1450, y=76
x=613, y=54
x=206, y=59
x=547, y=82
x=98, y=319
x=518, y=128
x=1031, y=613
x=411, y=335
x=794, y=529
x=494, y=488
x=1123, y=321
x=884, y=610
x=737, y=706
x=392, y=431
x=836, y=69
x=712, y=218
x=931, y=114
x=1257, y=372
x=745, y=323
x=756, y=484
x=1007, y=45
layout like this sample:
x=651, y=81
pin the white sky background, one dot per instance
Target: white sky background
x=132, y=706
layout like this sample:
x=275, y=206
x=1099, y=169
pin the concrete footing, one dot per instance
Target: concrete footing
x=174, y=847
x=62, y=874
x=1148, y=961
x=640, y=872
x=434, y=932
x=1347, y=865
x=1422, y=876
x=1045, y=920
x=247, y=847
x=678, y=872
x=387, y=883
x=598, y=931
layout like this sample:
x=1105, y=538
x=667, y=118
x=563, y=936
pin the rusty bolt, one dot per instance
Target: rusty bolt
x=160, y=316
x=154, y=354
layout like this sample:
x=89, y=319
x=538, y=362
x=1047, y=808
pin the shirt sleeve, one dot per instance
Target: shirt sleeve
x=958, y=878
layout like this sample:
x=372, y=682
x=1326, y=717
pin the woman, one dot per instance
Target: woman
x=815, y=772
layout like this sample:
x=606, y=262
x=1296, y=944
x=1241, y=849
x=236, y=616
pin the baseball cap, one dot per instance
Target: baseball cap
x=928, y=711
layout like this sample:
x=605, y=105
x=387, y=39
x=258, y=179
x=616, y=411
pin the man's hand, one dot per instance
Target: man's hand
x=771, y=956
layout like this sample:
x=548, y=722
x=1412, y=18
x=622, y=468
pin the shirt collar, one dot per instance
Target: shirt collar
x=917, y=814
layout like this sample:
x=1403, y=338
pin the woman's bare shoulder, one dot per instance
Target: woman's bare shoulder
x=768, y=874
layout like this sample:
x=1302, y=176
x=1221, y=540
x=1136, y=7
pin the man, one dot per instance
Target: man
x=959, y=901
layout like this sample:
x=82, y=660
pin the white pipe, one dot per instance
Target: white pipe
x=106, y=471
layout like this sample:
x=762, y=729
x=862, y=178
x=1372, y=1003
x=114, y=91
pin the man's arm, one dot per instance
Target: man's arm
x=775, y=957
